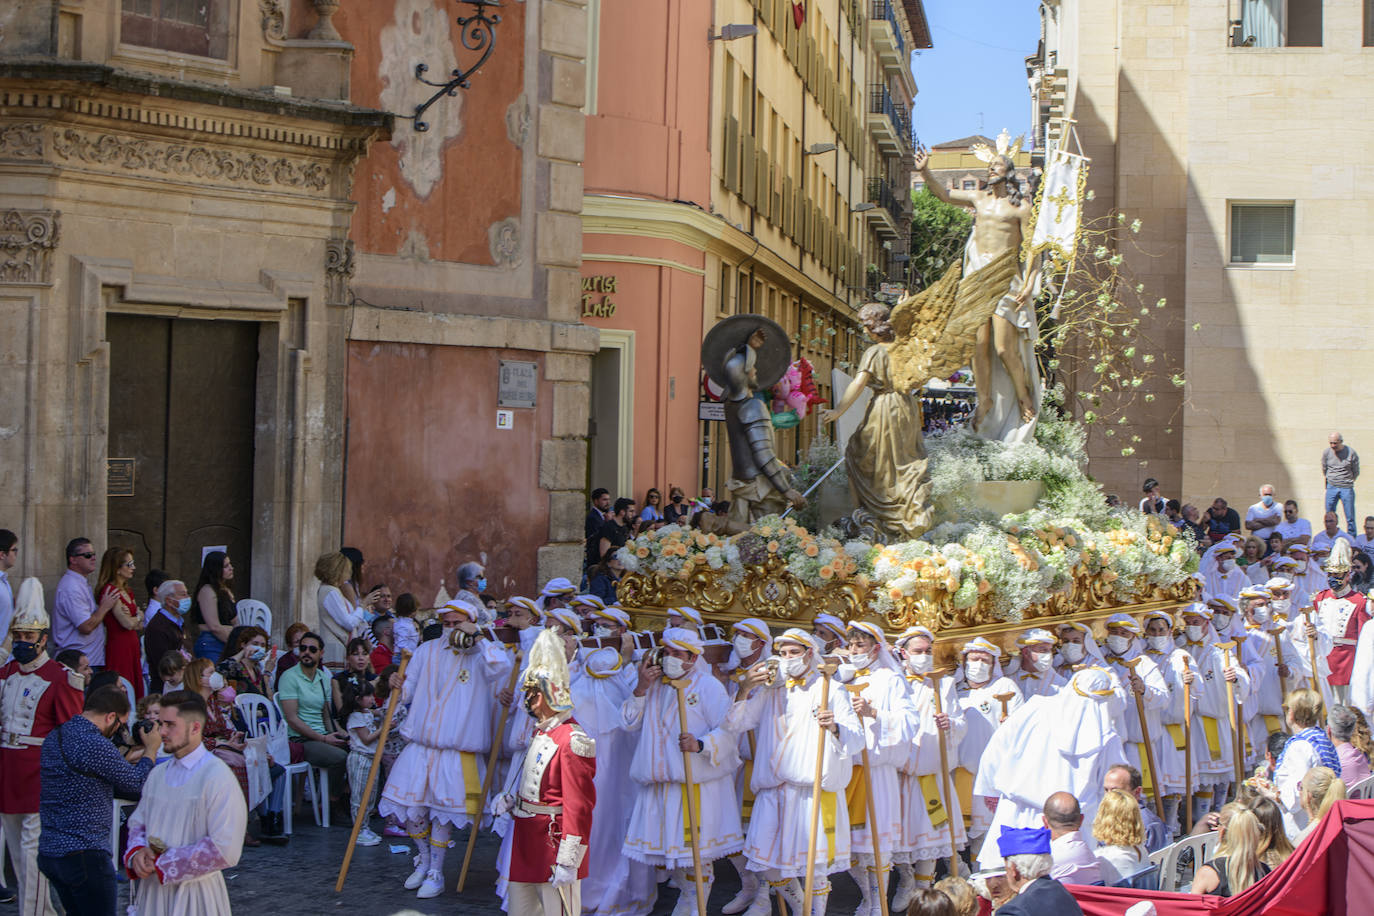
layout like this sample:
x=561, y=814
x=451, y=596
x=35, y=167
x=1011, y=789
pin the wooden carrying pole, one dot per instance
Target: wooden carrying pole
x=1188, y=748
x=944, y=777
x=816, y=795
x=1149, y=745
x=689, y=785
x=371, y=775
x=1232, y=709
x=1312, y=656
x=491, y=775
x=1004, y=699
x=855, y=690
x=1275, y=634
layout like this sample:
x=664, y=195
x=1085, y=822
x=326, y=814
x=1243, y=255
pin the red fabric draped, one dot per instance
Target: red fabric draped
x=1331, y=872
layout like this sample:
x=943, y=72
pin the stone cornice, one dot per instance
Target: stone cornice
x=111, y=95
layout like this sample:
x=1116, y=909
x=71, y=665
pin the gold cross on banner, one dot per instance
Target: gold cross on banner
x=1061, y=200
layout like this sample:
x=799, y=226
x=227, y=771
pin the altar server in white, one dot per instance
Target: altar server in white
x=1034, y=674
x=1175, y=665
x=750, y=643
x=1139, y=676
x=986, y=697
x=1212, y=733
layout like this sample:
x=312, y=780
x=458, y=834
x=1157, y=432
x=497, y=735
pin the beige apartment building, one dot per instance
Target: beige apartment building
x=1237, y=136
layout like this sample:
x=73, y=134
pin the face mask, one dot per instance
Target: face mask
x=674, y=668
x=257, y=653
x=794, y=667
x=1072, y=652
x=861, y=661
x=227, y=695
x=1261, y=614
x=744, y=646
x=977, y=672
x=482, y=584
x=184, y=605
x=1267, y=500
x=1118, y=644
x=215, y=681
x=1335, y=582
x=1161, y=643
x=920, y=662
x=1221, y=622
x=1280, y=605
x=24, y=652
x=603, y=631
x=1228, y=565
x=1193, y=633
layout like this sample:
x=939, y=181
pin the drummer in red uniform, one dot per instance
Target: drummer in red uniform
x=36, y=696
x=550, y=795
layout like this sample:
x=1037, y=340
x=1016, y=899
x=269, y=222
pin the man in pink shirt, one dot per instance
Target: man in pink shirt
x=1074, y=862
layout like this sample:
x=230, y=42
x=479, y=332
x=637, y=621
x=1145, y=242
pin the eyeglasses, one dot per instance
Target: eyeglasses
x=86, y=556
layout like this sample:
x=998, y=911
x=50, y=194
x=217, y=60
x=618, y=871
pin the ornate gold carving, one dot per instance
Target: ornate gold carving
x=27, y=238
x=273, y=18
x=21, y=141
x=197, y=162
x=339, y=268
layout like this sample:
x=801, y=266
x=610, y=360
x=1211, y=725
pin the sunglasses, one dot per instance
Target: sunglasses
x=86, y=556
x=308, y=649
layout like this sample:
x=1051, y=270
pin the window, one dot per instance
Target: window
x=199, y=27
x=969, y=185
x=1262, y=233
x=1369, y=23
x=1279, y=24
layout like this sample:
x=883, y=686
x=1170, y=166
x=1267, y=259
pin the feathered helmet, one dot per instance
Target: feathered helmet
x=29, y=614
x=1339, y=561
x=548, y=671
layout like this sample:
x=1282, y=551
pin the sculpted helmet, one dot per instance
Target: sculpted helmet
x=1339, y=561
x=29, y=613
x=548, y=671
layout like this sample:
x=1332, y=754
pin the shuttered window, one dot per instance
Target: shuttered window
x=1262, y=233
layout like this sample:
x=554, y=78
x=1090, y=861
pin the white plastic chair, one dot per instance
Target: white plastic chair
x=1167, y=859
x=253, y=613
x=1363, y=789
x=262, y=716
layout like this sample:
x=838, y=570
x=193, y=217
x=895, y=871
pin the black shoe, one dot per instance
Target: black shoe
x=8, y=895
x=272, y=830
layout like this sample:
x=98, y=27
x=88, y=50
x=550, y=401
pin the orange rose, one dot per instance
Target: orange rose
x=812, y=550
x=827, y=572
x=984, y=586
x=772, y=546
x=642, y=552
x=895, y=594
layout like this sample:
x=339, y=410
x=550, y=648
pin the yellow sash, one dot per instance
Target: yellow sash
x=1176, y=732
x=1212, y=732
x=856, y=799
x=747, y=803
x=963, y=788
x=1272, y=724
x=696, y=799
x=935, y=806
x=829, y=809
x=1146, y=782
x=472, y=784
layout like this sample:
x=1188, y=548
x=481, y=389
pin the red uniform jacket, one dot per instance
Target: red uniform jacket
x=32, y=704
x=555, y=797
x=1342, y=658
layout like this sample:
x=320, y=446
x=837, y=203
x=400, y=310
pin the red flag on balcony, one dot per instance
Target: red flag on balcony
x=799, y=12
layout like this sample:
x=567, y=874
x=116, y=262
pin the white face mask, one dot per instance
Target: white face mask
x=794, y=667
x=1280, y=605
x=1118, y=644
x=1228, y=565
x=602, y=631
x=744, y=646
x=1161, y=643
x=1193, y=633
x=215, y=681
x=674, y=668
x=1072, y=652
x=861, y=661
x=1041, y=661
x=920, y=662
x=978, y=672
x=1261, y=614
x=1221, y=622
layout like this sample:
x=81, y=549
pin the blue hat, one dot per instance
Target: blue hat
x=1024, y=841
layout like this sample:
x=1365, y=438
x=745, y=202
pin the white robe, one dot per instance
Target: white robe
x=199, y=815
x=922, y=840
x=1038, y=685
x=656, y=834
x=1216, y=765
x=1169, y=756
x=888, y=738
x=983, y=715
x=1156, y=700
x=1266, y=694
x=786, y=740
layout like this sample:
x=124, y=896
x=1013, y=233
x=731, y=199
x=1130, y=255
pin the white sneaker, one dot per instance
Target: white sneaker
x=433, y=886
x=417, y=877
x=367, y=838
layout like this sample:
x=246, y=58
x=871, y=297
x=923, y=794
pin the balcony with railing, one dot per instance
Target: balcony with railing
x=889, y=209
x=890, y=125
x=885, y=32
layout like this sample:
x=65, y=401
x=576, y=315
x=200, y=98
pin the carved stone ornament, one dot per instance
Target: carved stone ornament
x=193, y=162
x=518, y=121
x=273, y=18
x=339, y=268
x=505, y=242
x=21, y=141
x=324, y=30
x=27, y=239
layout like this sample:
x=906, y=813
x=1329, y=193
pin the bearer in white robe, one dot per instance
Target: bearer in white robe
x=831, y=631
x=1139, y=676
x=1212, y=725
x=614, y=884
x=890, y=725
x=1175, y=665
x=1033, y=669
x=986, y=697
x=1077, y=648
x=435, y=785
x=1308, y=574
x=750, y=643
x=1286, y=603
x=1063, y=743
x=658, y=833
x=611, y=622
x=1219, y=569
x=787, y=717
x=927, y=811
x=188, y=826
x=1265, y=639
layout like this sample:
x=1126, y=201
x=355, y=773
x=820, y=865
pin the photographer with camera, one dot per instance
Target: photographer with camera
x=82, y=771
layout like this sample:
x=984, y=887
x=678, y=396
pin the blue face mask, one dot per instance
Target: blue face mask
x=1267, y=500
x=482, y=584
x=184, y=605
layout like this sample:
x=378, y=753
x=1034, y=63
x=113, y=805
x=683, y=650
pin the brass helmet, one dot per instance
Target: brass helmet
x=548, y=671
x=29, y=613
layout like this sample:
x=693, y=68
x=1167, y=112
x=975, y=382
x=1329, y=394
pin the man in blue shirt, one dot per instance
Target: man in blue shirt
x=9, y=556
x=82, y=770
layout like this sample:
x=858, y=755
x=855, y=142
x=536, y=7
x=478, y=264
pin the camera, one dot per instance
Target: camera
x=143, y=727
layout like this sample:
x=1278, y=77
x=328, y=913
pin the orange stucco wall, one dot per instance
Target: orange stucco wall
x=662, y=306
x=431, y=482
x=472, y=152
